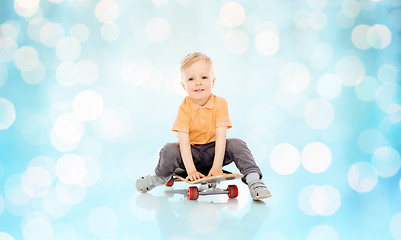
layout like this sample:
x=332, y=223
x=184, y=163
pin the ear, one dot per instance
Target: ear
x=183, y=85
x=213, y=81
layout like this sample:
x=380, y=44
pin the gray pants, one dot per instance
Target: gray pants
x=203, y=156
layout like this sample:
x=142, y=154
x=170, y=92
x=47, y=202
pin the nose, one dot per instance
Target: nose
x=198, y=82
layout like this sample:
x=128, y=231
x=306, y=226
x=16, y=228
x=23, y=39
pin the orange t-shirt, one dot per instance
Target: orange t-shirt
x=201, y=121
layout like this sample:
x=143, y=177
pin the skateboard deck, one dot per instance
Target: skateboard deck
x=208, y=184
x=225, y=176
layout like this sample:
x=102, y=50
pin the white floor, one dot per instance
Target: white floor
x=169, y=214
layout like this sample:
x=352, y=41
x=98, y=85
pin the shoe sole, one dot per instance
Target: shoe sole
x=262, y=197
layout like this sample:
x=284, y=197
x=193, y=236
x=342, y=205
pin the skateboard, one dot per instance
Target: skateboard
x=208, y=185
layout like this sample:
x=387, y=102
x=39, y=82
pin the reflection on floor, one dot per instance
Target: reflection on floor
x=210, y=217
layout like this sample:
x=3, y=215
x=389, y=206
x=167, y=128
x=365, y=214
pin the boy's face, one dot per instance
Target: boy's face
x=198, y=81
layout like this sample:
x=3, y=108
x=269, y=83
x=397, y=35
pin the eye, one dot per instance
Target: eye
x=190, y=79
x=204, y=77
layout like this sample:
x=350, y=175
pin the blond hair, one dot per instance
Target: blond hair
x=193, y=58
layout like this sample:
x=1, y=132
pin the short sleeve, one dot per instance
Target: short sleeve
x=182, y=121
x=222, y=117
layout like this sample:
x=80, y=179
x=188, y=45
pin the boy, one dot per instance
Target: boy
x=201, y=125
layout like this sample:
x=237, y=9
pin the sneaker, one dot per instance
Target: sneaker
x=258, y=190
x=147, y=183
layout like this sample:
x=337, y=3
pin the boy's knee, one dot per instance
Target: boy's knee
x=170, y=150
x=233, y=143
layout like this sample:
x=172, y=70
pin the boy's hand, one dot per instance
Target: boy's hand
x=193, y=176
x=215, y=172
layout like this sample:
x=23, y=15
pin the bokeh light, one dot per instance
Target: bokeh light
x=102, y=221
x=329, y=86
x=26, y=58
x=237, y=41
x=8, y=47
x=53, y=206
x=387, y=73
x=232, y=14
x=316, y=157
x=157, y=29
x=71, y=169
x=325, y=200
x=26, y=8
x=388, y=97
x=34, y=27
x=386, y=161
x=319, y=200
x=321, y=55
x=317, y=20
x=110, y=32
x=159, y=2
x=294, y=77
x=107, y=11
x=38, y=228
x=267, y=42
x=284, y=159
x=114, y=123
x=35, y=75
x=367, y=88
x=351, y=70
x=51, y=33
x=70, y=194
x=14, y=191
x=80, y=32
x=319, y=114
x=45, y=163
x=93, y=171
x=67, y=132
x=27, y=4
x=362, y=177
x=10, y=29
x=323, y=232
x=301, y=18
x=379, y=36
x=360, y=36
x=5, y=236
x=57, y=108
x=64, y=231
x=1, y=205
x=3, y=74
x=273, y=235
x=394, y=226
x=370, y=140
x=87, y=105
x=36, y=182
x=317, y=4
x=68, y=49
x=7, y=113
x=88, y=72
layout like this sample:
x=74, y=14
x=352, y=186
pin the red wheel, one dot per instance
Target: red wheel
x=193, y=193
x=170, y=182
x=232, y=191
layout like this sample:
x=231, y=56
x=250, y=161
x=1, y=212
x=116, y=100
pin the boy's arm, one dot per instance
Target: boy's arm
x=185, y=149
x=220, y=150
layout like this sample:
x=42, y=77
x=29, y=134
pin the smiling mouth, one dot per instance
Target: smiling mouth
x=199, y=90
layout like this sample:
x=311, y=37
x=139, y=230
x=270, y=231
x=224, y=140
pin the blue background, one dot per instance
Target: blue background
x=328, y=74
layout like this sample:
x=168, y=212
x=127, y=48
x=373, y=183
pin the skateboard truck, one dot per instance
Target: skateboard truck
x=208, y=185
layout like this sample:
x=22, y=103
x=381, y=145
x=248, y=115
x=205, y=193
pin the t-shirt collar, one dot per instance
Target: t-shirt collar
x=209, y=104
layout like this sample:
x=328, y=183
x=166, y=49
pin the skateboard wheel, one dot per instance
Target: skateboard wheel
x=193, y=193
x=170, y=182
x=232, y=191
